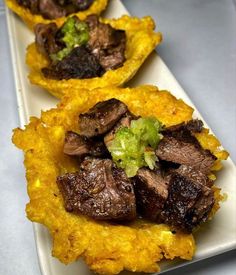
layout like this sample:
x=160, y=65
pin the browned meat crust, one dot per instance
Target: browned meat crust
x=99, y=190
x=101, y=118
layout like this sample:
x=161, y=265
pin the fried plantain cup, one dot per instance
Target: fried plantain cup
x=107, y=248
x=32, y=19
x=141, y=41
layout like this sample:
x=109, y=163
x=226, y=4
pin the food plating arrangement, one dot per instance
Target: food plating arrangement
x=123, y=177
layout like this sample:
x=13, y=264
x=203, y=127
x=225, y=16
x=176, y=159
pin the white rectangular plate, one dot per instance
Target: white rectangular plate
x=214, y=238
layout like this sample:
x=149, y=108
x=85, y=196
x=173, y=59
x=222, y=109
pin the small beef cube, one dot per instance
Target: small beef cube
x=77, y=145
x=80, y=63
x=45, y=39
x=99, y=190
x=188, y=203
x=185, y=152
x=194, y=175
x=151, y=191
x=106, y=43
x=194, y=125
x=180, y=146
x=114, y=57
x=185, y=131
x=102, y=36
x=125, y=121
x=101, y=117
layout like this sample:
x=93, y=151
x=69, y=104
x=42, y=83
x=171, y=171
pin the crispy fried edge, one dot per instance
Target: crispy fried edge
x=141, y=41
x=107, y=248
x=32, y=19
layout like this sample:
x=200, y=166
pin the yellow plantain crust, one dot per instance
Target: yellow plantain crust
x=141, y=41
x=106, y=248
x=32, y=19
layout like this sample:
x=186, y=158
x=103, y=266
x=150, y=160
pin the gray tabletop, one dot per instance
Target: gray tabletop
x=199, y=47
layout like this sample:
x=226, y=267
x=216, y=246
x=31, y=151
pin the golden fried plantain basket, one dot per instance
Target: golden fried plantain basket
x=32, y=19
x=106, y=248
x=141, y=41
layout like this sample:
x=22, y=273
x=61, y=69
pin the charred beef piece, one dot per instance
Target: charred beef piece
x=180, y=199
x=102, y=36
x=101, y=117
x=188, y=204
x=125, y=121
x=180, y=146
x=99, y=190
x=151, y=191
x=80, y=63
x=106, y=43
x=185, y=152
x=194, y=125
x=77, y=145
x=114, y=57
x=185, y=131
x=194, y=175
x=45, y=39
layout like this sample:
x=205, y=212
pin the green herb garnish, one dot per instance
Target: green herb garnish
x=75, y=33
x=134, y=147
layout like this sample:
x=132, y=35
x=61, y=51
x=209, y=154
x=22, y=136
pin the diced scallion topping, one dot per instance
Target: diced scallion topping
x=134, y=147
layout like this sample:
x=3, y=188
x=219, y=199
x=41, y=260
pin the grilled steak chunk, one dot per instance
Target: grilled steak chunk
x=185, y=131
x=195, y=175
x=188, y=203
x=99, y=190
x=194, y=125
x=180, y=146
x=113, y=57
x=77, y=145
x=151, y=191
x=101, y=35
x=180, y=199
x=106, y=43
x=101, y=117
x=125, y=121
x=80, y=63
x=45, y=39
x=185, y=150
